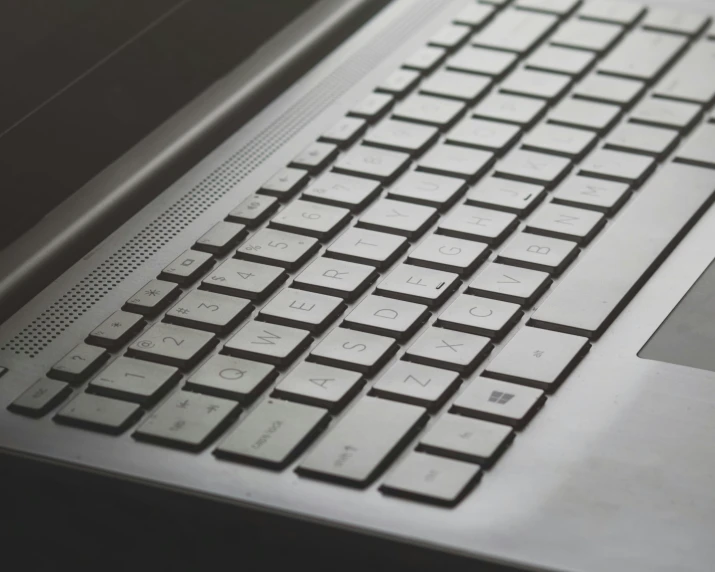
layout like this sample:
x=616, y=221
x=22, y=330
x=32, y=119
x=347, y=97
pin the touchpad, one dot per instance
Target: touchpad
x=687, y=336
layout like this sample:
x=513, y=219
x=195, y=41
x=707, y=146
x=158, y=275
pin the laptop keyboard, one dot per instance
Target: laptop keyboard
x=440, y=197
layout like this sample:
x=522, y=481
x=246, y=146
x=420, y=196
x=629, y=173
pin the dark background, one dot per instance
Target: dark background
x=84, y=80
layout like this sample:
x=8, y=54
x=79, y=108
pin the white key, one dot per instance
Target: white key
x=388, y=317
x=644, y=139
x=616, y=166
x=482, y=316
x=588, y=193
x=560, y=60
x=354, y=350
x=700, y=148
x=561, y=221
x=686, y=80
x=515, y=31
x=477, y=223
x=663, y=113
x=615, y=11
x=367, y=247
x=506, y=195
x=448, y=254
x=270, y=343
x=244, y=278
x=593, y=36
x=298, y=308
x=449, y=349
x=599, y=117
x=342, y=191
x=664, y=19
x=231, y=377
x=321, y=385
x=416, y=384
x=310, y=218
x=278, y=247
x=551, y=255
x=336, y=277
x=398, y=217
x=510, y=284
x=417, y=284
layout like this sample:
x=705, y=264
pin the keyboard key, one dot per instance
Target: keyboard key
x=456, y=85
x=663, y=19
x=531, y=83
x=301, y=309
x=474, y=15
x=398, y=217
x=595, y=194
x=278, y=247
x=372, y=163
x=152, y=298
x=598, y=117
x=429, y=110
x=477, y=223
x=561, y=221
x=363, y=442
x=619, y=263
x=642, y=55
x=320, y=385
x=345, y=131
x=664, y=113
x=524, y=111
x=367, y=247
x=471, y=440
x=221, y=237
x=558, y=7
x=245, y=279
x=254, y=210
x=449, y=36
x=431, y=479
x=481, y=316
x=271, y=343
x=387, y=317
x=564, y=141
x=449, y=349
x=550, y=255
x=585, y=35
x=417, y=384
x=401, y=136
x=539, y=358
x=425, y=60
x=233, y=378
x=134, y=380
x=532, y=167
x=344, y=191
x=355, y=350
x=336, y=278
x=40, y=398
x=187, y=267
x=312, y=219
x=273, y=434
x=286, y=182
x=685, y=80
x=172, y=345
x=417, y=284
x=449, y=254
x=482, y=134
x=314, y=158
x=456, y=161
x=481, y=61
x=510, y=284
x=560, y=60
x=505, y=195
x=209, y=311
x=515, y=31
x=116, y=330
x=372, y=107
x=99, y=413
x=499, y=401
x=78, y=364
x=619, y=167
x=700, y=148
x=428, y=189
x=188, y=421
x=399, y=83
x=614, y=11
x=607, y=89
x=634, y=138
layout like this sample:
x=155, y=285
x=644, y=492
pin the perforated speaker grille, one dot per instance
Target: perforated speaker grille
x=46, y=327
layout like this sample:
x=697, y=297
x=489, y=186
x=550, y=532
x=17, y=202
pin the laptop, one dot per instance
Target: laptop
x=435, y=273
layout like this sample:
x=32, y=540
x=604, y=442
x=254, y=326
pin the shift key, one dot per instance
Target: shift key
x=363, y=442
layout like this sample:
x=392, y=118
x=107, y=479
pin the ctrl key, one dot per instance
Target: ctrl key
x=40, y=398
x=432, y=479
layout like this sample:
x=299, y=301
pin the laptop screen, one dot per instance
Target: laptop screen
x=83, y=81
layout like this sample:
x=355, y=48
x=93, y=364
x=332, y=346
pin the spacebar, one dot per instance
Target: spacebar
x=617, y=265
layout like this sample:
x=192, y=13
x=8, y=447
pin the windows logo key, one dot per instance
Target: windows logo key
x=500, y=397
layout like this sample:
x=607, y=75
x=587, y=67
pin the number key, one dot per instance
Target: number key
x=342, y=191
x=209, y=311
x=221, y=237
x=285, y=183
x=254, y=210
x=315, y=157
x=172, y=345
x=245, y=279
x=134, y=380
x=277, y=247
x=312, y=219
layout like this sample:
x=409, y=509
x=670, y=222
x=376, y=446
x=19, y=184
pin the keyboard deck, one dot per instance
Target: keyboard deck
x=413, y=239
